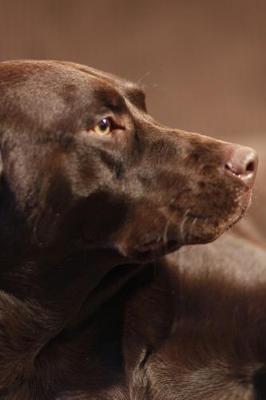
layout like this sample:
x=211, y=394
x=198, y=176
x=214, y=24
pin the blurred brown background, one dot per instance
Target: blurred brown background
x=202, y=63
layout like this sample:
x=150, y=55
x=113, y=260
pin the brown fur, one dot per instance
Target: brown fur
x=91, y=304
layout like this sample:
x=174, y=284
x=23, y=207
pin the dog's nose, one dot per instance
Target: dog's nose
x=243, y=163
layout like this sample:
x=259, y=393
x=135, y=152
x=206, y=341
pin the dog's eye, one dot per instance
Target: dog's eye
x=104, y=127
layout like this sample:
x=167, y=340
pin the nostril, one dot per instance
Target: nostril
x=251, y=166
x=229, y=167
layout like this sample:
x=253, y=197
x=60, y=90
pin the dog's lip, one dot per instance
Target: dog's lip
x=155, y=249
x=245, y=199
x=244, y=203
x=163, y=246
x=151, y=245
x=160, y=244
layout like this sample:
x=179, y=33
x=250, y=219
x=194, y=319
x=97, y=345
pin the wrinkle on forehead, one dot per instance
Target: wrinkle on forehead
x=128, y=89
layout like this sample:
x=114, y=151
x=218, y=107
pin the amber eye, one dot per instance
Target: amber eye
x=104, y=127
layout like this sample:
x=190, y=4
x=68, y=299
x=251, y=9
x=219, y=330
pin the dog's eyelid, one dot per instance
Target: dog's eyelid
x=114, y=123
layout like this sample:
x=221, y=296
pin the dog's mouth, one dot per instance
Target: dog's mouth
x=150, y=232
x=194, y=228
x=156, y=248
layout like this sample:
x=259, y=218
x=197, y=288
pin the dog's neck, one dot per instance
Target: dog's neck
x=45, y=299
x=56, y=280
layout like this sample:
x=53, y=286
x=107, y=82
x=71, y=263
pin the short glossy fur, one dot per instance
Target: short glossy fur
x=91, y=304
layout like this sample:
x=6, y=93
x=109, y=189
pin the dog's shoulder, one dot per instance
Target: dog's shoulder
x=231, y=257
x=206, y=305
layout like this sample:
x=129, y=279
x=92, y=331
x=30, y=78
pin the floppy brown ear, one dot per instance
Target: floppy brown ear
x=1, y=167
x=1, y=164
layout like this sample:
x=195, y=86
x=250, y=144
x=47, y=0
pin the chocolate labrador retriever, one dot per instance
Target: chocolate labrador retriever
x=95, y=195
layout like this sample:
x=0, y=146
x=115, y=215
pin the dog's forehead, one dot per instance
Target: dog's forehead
x=57, y=74
x=44, y=89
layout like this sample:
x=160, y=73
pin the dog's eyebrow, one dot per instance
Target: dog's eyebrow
x=130, y=90
x=136, y=95
x=110, y=98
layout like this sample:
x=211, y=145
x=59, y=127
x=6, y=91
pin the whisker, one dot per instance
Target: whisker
x=192, y=225
x=165, y=232
x=143, y=78
x=182, y=225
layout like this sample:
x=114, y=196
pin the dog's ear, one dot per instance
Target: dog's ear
x=1, y=164
x=2, y=185
x=1, y=168
x=1, y=174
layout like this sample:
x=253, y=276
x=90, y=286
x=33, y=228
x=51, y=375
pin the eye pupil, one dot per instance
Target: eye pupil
x=104, y=124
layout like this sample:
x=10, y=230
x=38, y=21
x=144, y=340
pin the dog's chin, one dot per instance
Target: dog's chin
x=202, y=229
x=195, y=229
x=153, y=250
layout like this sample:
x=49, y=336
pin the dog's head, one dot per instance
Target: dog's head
x=84, y=165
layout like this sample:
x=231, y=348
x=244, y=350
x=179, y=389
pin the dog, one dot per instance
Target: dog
x=113, y=285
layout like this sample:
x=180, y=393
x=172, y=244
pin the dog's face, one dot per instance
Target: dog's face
x=83, y=164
